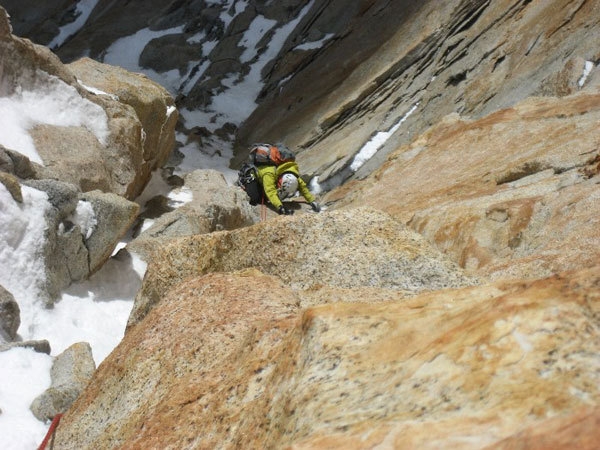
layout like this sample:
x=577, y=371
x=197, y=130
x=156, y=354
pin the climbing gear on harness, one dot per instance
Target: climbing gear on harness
x=248, y=181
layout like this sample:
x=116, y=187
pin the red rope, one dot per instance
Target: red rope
x=51, y=431
x=263, y=210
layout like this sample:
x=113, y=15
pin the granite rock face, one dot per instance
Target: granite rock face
x=471, y=57
x=82, y=230
x=233, y=361
x=448, y=296
x=87, y=171
x=345, y=72
x=513, y=194
x=151, y=105
x=345, y=249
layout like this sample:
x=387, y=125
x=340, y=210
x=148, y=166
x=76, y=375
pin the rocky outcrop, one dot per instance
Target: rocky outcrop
x=10, y=316
x=81, y=232
x=209, y=205
x=527, y=211
x=110, y=134
x=378, y=64
x=471, y=57
x=232, y=361
x=71, y=371
x=345, y=249
x=153, y=107
x=87, y=171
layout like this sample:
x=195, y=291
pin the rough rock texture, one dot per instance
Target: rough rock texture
x=40, y=346
x=214, y=206
x=82, y=232
x=487, y=116
x=71, y=372
x=140, y=117
x=10, y=316
x=527, y=211
x=471, y=57
x=16, y=164
x=347, y=71
x=229, y=361
x=114, y=216
x=344, y=249
x=153, y=107
x=11, y=183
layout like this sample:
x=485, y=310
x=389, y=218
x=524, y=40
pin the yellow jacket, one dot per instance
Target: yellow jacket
x=268, y=175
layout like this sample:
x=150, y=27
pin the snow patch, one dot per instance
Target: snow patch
x=22, y=230
x=315, y=44
x=82, y=11
x=372, y=146
x=238, y=101
x=180, y=197
x=125, y=53
x=85, y=217
x=25, y=374
x=257, y=29
x=95, y=91
x=315, y=187
x=49, y=101
x=587, y=69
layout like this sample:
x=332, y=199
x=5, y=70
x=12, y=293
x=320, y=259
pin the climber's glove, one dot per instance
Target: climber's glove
x=315, y=207
x=284, y=211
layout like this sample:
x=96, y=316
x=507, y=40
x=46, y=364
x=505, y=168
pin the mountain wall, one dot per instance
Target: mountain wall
x=448, y=296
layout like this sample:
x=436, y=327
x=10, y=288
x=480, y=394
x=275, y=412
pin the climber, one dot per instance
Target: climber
x=272, y=174
x=282, y=182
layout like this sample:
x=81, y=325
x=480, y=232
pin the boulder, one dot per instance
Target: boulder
x=114, y=215
x=71, y=155
x=70, y=373
x=82, y=232
x=213, y=206
x=10, y=316
x=153, y=106
x=122, y=130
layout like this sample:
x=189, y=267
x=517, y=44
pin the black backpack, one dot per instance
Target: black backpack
x=248, y=181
